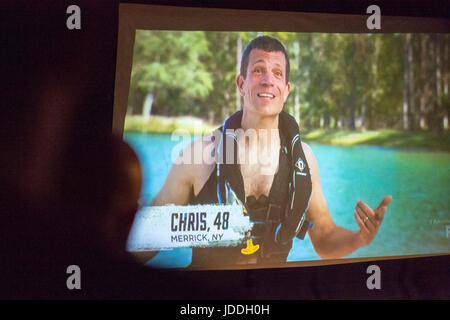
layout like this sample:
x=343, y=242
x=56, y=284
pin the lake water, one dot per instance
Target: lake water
x=415, y=222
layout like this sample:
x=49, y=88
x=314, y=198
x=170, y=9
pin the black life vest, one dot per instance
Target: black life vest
x=278, y=218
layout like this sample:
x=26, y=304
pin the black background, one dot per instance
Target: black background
x=36, y=45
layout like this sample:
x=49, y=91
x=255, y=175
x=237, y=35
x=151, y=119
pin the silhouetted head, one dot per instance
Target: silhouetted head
x=103, y=182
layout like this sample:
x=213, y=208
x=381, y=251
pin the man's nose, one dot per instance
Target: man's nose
x=267, y=79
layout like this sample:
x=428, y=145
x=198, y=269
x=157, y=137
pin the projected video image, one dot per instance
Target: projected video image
x=269, y=149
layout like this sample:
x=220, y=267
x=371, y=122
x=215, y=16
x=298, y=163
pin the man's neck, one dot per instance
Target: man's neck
x=263, y=133
x=259, y=152
x=257, y=122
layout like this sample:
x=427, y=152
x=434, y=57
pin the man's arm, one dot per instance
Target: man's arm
x=329, y=240
x=177, y=187
x=176, y=190
x=186, y=176
x=180, y=181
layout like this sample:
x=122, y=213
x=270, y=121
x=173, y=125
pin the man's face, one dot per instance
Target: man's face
x=264, y=88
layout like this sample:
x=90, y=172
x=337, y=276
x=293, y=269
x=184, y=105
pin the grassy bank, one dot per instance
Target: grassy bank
x=386, y=137
x=159, y=124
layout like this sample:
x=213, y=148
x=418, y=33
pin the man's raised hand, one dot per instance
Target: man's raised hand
x=370, y=220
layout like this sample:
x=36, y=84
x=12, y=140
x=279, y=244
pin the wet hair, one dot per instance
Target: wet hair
x=265, y=43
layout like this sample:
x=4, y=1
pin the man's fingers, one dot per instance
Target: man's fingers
x=360, y=223
x=379, y=211
x=385, y=202
x=366, y=220
x=369, y=220
x=365, y=209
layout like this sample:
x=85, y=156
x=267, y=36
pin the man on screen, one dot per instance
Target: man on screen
x=281, y=191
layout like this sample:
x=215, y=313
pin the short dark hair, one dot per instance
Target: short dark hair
x=268, y=44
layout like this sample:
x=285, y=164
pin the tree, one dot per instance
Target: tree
x=169, y=69
x=337, y=80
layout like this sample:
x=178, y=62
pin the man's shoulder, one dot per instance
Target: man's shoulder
x=197, y=156
x=306, y=148
x=203, y=161
x=309, y=154
x=201, y=145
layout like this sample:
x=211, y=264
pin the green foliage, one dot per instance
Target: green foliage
x=340, y=81
x=171, y=65
x=384, y=137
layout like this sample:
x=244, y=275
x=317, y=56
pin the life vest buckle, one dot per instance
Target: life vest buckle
x=273, y=214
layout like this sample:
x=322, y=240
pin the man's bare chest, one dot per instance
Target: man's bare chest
x=258, y=178
x=257, y=167
x=255, y=183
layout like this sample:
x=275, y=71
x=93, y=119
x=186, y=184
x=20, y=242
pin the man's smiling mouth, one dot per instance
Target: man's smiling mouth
x=266, y=95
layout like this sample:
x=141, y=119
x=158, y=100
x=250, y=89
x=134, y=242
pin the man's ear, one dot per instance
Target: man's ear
x=286, y=93
x=239, y=84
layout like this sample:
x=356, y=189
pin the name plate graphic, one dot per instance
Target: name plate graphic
x=171, y=226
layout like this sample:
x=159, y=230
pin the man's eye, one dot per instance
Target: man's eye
x=278, y=74
x=257, y=71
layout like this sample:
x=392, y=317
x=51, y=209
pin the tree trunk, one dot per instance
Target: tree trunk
x=351, y=125
x=438, y=109
x=370, y=119
x=411, y=110
x=147, y=107
x=405, y=86
x=297, y=106
x=445, y=80
x=363, y=113
x=423, y=82
x=326, y=120
x=238, y=69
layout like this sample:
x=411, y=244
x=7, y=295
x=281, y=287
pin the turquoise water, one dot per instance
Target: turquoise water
x=415, y=222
